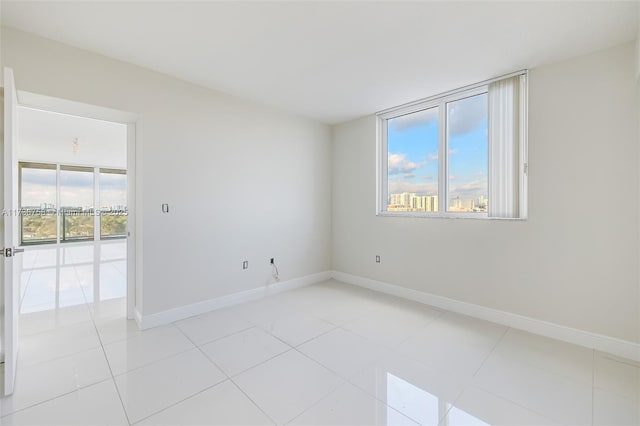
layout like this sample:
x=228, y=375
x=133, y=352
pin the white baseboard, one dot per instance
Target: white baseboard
x=612, y=345
x=176, y=314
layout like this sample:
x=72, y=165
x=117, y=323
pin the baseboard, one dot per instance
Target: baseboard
x=138, y=317
x=182, y=312
x=600, y=342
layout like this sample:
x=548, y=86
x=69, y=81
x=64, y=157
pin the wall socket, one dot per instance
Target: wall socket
x=272, y=261
x=245, y=264
x=377, y=258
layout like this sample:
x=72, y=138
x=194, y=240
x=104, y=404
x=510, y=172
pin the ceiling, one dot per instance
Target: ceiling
x=328, y=60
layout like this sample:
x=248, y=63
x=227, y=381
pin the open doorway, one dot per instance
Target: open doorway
x=73, y=196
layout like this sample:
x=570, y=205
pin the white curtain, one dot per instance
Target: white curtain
x=507, y=150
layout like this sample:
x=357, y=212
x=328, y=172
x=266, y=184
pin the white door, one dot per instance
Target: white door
x=12, y=258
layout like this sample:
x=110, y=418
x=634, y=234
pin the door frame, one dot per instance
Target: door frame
x=64, y=106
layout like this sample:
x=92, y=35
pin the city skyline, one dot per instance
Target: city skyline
x=38, y=187
x=413, y=202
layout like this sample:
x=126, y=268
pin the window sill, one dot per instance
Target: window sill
x=477, y=216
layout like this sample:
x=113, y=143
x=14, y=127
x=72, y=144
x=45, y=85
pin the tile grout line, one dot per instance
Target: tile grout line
x=152, y=362
x=113, y=379
x=55, y=397
x=188, y=397
x=227, y=375
x=252, y=401
x=179, y=402
x=517, y=404
x=347, y=381
x=470, y=381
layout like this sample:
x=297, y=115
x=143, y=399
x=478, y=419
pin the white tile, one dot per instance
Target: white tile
x=612, y=409
x=235, y=353
x=348, y=405
x=343, y=352
x=47, y=380
x=58, y=343
x=286, y=385
x=617, y=375
x=478, y=407
x=296, y=329
x=348, y=307
x=72, y=255
x=393, y=324
x=94, y=405
x=25, y=275
x=223, y=404
x=113, y=250
x=454, y=343
x=150, y=389
x=29, y=258
x=260, y=311
x=410, y=387
x=214, y=325
x=117, y=329
x=150, y=346
x=46, y=256
x=572, y=361
x=113, y=285
x=49, y=319
x=552, y=395
x=107, y=310
x=41, y=291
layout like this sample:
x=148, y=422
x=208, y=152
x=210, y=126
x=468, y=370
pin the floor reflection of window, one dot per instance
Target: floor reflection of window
x=422, y=406
x=65, y=276
x=412, y=401
x=457, y=417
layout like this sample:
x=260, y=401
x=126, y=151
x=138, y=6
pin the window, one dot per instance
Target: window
x=113, y=203
x=461, y=154
x=76, y=201
x=77, y=190
x=38, y=203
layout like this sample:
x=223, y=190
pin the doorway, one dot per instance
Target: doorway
x=75, y=188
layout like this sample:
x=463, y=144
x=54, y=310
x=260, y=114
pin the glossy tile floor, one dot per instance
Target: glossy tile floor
x=326, y=354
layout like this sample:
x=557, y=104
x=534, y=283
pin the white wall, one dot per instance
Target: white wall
x=244, y=182
x=49, y=137
x=574, y=262
x=638, y=47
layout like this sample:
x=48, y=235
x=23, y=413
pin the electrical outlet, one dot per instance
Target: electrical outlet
x=245, y=264
x=272, y=261
x=377, y=258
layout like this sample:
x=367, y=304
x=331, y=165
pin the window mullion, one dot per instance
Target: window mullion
x=442, y=159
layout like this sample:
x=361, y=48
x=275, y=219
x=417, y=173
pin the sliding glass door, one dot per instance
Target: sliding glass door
x=76, y=203
x=38, y=195
x=113, y=203
x=71, y=193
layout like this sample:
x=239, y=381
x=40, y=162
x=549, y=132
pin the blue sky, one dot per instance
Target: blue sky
x=413, y=150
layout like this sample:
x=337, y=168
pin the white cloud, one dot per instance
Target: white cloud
x=467, y=114
x=420, y=118
x=400, y=186
x=399, y=164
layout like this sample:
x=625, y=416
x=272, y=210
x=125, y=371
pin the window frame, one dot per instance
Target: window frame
x=439, y=101
x=97, y=223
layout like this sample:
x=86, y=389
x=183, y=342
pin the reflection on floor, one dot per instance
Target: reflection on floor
x=71, y=275
x=328, y=354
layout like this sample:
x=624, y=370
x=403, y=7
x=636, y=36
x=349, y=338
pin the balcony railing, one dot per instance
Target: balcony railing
x=38, y=226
